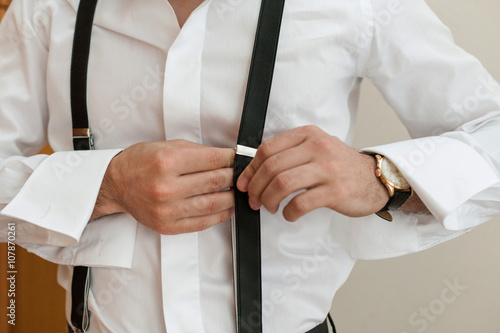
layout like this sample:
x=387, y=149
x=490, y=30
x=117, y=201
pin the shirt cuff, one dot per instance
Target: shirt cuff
x=60, y=195
x=99, y=246
x=444, y=172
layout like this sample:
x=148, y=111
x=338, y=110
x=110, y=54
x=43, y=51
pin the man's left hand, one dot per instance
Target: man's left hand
x=321, y=168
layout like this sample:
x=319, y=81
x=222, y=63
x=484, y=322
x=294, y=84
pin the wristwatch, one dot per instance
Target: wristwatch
x=397, y=185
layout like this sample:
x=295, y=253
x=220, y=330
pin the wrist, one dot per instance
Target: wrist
x=398, y=188
x=107, y=202
x=379, y=196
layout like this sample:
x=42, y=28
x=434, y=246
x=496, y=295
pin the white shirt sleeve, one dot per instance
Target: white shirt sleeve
x=50, y=198
x=53, y=202
x=451, y=107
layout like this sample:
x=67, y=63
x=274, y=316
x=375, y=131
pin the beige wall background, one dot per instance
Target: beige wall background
x=405, y=295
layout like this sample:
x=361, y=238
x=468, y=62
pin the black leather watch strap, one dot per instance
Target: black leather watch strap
x=397, y=200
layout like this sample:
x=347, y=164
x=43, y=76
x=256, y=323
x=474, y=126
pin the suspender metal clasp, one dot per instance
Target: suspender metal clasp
x=245, y=151
x=83, y=139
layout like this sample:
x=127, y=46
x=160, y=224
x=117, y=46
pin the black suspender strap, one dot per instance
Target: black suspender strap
x=332, y=325
x=82, y=140
x=246, y=227
x=82, y=137
x=80, y=286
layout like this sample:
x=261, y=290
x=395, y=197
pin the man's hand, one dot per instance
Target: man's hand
x=171, y=187
x=332, y=174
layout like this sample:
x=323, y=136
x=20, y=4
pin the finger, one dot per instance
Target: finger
x=269, y=148
x=306, y=202
x=207, y=204
x=206, y=182
x=273, y=168
x=288, y=182
x=200, y=223
x=190, y=160
x=194, y=224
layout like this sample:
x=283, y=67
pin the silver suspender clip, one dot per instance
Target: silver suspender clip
x=245, y=151
x=84, y=134
x=86, y=312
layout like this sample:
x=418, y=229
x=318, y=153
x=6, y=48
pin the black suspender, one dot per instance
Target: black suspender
x=246, y=229
x=82, y=137
x=82, y=140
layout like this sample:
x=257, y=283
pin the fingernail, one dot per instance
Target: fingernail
x=254, y=205
x=242, y=183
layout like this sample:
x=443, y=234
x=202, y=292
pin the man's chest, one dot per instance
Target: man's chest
x=155, y=77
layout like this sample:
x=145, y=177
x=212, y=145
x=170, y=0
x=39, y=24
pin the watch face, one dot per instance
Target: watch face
x=393, y=175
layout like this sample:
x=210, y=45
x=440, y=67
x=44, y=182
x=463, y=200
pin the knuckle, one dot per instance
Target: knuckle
x=323, y=144
x=156, y=192
x=265, y=149
x=162, y=159
x=311, y=129
x=166, y=213
x=206, y=205
x=203, y=224
x=252, y=168
x=299, y=205
x=270, y=165
x=200, y=203
x=283, y=181
x=212, y=207
x=170, y=161
x=213, y=159
x=158, y=156
x=225, y=215
x=184, y=210
x=160, y=192
x=218, y=181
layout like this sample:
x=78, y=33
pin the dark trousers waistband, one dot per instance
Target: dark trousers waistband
x=321, y=328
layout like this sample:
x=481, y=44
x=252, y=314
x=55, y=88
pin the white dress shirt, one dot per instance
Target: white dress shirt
x=150, y=80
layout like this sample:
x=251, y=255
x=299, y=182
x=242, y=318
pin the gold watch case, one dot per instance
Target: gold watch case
x=390, y=175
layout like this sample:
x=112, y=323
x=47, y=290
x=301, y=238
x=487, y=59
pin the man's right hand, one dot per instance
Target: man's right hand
x=172, y=187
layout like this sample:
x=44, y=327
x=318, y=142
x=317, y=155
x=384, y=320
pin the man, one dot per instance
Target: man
x=159, y=240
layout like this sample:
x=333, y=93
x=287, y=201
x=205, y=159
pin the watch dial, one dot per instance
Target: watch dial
x=393, y=175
